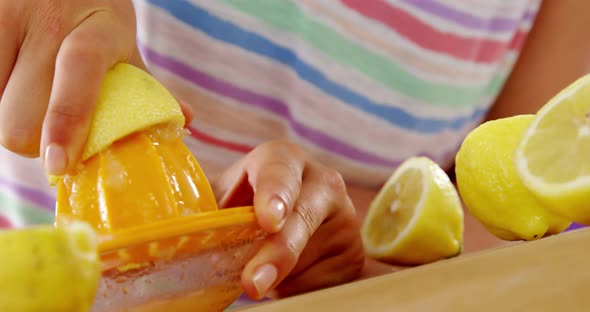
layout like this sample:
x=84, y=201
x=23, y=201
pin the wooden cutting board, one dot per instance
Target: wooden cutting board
x=551, y=274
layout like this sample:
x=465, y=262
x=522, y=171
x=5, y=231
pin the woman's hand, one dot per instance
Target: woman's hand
x=53, y=57
x=314, y=239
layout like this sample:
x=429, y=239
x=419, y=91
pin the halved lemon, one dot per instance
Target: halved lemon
x=416, y=217
x=491, y=189
x=553, y=157
x=130, y=100
x=136, y=168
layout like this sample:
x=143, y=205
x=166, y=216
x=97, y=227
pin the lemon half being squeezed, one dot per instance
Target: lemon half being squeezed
x=130, y=100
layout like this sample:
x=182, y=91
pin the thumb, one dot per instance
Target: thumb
x=232, y=188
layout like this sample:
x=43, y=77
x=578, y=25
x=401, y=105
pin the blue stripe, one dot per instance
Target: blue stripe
x=224, y=31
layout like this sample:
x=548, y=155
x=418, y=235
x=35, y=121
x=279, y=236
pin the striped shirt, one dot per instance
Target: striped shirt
x=361, y=84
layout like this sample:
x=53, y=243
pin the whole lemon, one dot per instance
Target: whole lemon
x=491, y=188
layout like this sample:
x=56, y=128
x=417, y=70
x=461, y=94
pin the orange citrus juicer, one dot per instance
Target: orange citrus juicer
x=164, y=243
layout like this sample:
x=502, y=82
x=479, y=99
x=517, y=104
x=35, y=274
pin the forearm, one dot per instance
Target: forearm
x=556, y=53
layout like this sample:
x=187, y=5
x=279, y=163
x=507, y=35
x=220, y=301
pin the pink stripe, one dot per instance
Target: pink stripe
x=410, y=59
x=424, y=35
x=206, y=138
x=495, y=24
x=5, y=223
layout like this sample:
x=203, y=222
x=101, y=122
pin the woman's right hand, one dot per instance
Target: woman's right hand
x=53, y=57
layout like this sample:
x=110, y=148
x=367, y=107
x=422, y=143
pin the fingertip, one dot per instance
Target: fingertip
x=259, y=281
x=248, y=285
x=55, y=159
x=271, y=213
x=63, y=139
x=277, y=213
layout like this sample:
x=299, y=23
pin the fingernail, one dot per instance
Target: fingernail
x=278, y=211
x=264, y=277
x=55, y=159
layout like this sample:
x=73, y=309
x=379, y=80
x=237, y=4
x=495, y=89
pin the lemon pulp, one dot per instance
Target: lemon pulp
x=416, y=217
x=395, y=216
x=145, y=177
x=552, y=157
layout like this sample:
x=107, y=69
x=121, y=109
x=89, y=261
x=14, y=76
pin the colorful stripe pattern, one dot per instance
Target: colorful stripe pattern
x=362, y=84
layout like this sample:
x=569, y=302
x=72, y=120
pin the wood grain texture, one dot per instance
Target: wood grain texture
x=550, y=274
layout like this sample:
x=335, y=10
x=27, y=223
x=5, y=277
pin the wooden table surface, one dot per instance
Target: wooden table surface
x=550, y=274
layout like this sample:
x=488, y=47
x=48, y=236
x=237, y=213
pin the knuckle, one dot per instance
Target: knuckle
x=67, y=115
x=283, y=147
x=74, y=52
x=280, y=165
x=309, y=218
x=349, y=218
x=357, y=264
x=289, y=177
x=334, y=180
x=295, y=150
x=290, y=252
x=50, y=18
x=281, y=178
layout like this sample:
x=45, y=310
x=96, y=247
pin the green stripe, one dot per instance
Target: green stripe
x=29, y=214
x=287, y=16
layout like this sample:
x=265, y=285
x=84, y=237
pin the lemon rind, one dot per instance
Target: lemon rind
x=166, y=111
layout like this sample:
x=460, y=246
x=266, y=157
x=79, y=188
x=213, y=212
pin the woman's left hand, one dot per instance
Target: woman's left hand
x=314, y=240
